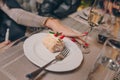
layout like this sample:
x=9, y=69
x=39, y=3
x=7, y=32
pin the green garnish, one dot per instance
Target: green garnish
x=51, y=32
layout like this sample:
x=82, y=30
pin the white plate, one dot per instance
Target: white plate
x=36, y=52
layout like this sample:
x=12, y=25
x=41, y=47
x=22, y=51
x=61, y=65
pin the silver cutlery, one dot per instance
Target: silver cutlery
x=23, y=38
x=82, y=17
x=117, y=76
x=59, y=57
x=85, y=14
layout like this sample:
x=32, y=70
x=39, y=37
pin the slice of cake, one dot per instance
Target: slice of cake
x=53, y=43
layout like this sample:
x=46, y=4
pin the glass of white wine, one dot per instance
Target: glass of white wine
x=96, y=14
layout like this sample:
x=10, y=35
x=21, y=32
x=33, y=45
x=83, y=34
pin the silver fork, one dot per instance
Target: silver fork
x=59, y=57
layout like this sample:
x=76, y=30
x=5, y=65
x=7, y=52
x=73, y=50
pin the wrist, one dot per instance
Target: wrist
x=51, y=22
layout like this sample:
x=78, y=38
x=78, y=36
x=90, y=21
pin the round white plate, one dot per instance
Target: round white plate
x=36, y=52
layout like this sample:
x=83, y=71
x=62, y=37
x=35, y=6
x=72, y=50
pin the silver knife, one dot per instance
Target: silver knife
x=82, y=17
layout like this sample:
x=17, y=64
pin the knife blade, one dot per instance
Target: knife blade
x=82, y=17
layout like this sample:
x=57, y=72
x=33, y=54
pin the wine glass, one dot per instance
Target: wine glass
x=107, y=63
x=95, y=19
x=96, y=14
x=111, y=24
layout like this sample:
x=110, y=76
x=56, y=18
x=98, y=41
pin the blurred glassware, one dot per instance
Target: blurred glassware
x=96, y=14
x=107, y=63
x=112, y=31
x=103, y=35
x=116, y=8
x=95, y=18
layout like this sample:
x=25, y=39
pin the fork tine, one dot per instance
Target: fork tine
x=60, y=56
x=65, y=52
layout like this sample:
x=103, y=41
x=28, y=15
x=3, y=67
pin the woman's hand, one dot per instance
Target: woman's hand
x=3, y=44
x=57, y=26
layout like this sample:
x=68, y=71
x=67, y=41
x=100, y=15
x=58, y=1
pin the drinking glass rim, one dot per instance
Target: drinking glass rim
x=110, y=44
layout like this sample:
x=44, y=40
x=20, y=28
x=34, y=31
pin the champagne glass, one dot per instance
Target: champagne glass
x=95, y=19
x=96, y=14
x=107, y=63
x=111, y=24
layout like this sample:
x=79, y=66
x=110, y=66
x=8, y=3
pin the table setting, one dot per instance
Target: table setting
x=36, y=52
x=26, y=57
x=30, y=59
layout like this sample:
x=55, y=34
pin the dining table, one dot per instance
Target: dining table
x=14, y=65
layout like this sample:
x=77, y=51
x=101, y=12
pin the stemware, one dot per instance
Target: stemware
x=95, y=19
x=107, y=65
x=96, y=14
x=112, y=21
x=99, y=18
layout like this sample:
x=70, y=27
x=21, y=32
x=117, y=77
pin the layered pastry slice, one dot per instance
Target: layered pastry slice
x=53, y=43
